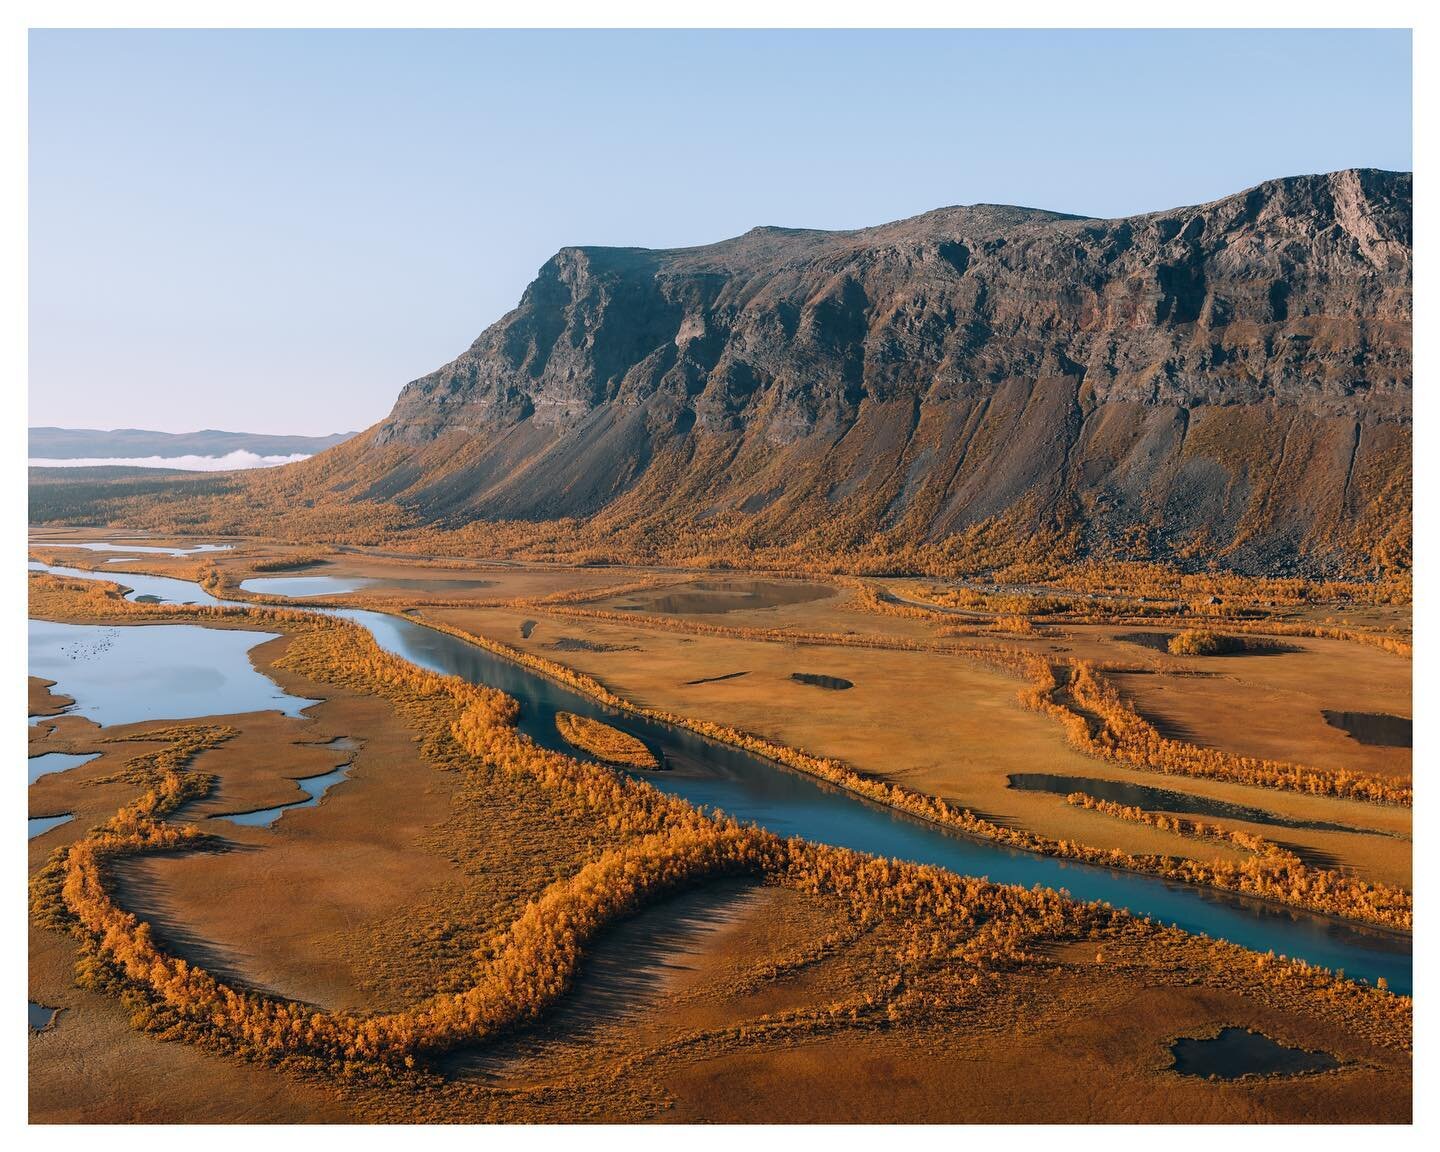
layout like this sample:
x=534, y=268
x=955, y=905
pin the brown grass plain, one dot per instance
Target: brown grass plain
x=695, y=1006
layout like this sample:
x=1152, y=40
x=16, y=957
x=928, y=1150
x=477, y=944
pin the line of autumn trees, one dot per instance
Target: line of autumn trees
x=1122, y=735
x=968, y=927
x=1272, y=872
x=1331, y=893
x=1099, y=721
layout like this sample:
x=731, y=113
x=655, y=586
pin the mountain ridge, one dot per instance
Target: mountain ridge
x=1091, y=344
x=1225, y=384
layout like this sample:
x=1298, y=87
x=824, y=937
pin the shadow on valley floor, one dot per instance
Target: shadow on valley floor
x=627, y=970
x=139, y=890
x=1168, y=800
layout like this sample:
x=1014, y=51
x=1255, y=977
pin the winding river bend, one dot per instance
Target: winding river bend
x=789, y=803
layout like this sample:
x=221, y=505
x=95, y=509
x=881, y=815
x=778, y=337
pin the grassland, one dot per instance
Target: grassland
x=798, y=989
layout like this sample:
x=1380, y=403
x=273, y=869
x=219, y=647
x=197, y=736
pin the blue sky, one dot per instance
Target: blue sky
x=274, y=231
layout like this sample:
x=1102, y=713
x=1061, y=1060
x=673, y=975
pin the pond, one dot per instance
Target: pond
x=789, y=803
x=1239, y=1052
x=41, y=1017
x=314, y=787
x=1379, y=728
x=816, y=680
x=52, y=762
x=155, y=671
x=300, y=587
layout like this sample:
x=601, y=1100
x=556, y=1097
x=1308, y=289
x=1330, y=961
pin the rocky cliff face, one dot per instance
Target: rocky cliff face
x=1230, y=380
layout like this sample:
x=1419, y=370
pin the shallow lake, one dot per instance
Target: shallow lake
x=301, y=586
x=147, y=549
x=1238, y=1052
x=52, y=762
x=155, y=671
x=164, y=589
x=792, y=804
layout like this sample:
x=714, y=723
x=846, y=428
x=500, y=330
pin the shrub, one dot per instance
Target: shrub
x=1200, y=642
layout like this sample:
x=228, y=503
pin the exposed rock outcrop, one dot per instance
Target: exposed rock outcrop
x=1229, y=381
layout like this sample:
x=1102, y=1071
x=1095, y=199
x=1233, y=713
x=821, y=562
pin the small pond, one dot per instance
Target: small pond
x=1372, y=727
x=52, y=762
x=39, y=825
x=41, y=1017
x=1238, y=1052
x=315, y=788
x=299, y=587
x=815, y=680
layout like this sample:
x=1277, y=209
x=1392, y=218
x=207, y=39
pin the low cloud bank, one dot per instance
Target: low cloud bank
x=230, y=462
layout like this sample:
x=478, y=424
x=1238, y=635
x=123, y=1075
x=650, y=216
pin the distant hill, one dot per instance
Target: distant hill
x=137, y=443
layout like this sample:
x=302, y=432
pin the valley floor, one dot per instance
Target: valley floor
x=744, y=998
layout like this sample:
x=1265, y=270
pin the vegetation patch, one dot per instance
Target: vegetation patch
x=290, y=562
x=1202, y=642
x=1099, y=721
x=604, y=742
x=1271, y=872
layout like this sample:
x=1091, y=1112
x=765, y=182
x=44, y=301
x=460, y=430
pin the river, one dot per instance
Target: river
x=790, y=803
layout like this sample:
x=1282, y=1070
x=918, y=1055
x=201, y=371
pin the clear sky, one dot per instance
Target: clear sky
x=275, y=231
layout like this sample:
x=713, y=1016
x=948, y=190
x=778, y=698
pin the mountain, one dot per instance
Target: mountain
x=132, y=443
x=1228, y=384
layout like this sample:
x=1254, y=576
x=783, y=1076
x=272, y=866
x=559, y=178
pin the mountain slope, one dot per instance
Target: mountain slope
x=1227, y=383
